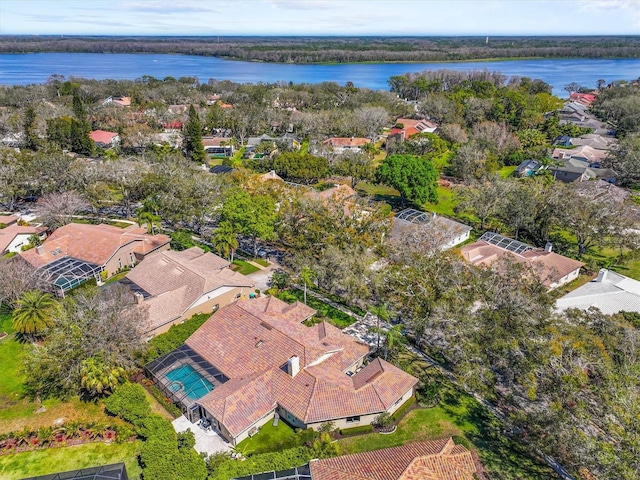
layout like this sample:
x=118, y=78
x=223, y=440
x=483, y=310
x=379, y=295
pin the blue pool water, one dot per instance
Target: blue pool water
x=185, y=378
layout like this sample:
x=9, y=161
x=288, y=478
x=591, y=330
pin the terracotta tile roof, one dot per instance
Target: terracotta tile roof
x=122, y=101
x=250, y=338
x=215, y=141
x=240, y=344
x=436, y=460
x=175, y=280
x=550, y=266
x=8, y=219
x=9, y=233
x=102, y=136
x=93, y=243
x=346, y=142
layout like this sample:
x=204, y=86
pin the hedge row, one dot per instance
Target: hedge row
x=266, y=462
x=356, y=430
x=398, y=414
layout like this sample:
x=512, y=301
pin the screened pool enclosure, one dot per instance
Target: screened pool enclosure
x=184, y=376
x=67, y=273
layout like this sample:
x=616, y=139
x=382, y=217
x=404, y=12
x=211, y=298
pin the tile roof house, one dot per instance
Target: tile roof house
x=346, y=144
x=609, y=291
x=102, y=247
x=218, y=146
x=14, y=237
x=177, y=285
x=553, y=270
x=118, y=101
x=585, y=99
x=584, y=153
x=435, y=460
x=406, y=127
x=439, y=232
x=104, y=139
x=276, y=364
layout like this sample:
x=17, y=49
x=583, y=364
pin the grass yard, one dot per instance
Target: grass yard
x=62, y=459
x=325, y=312
x=245, y=268
x=446, y=203
x=12, y=351
x=507, y=171
x=117, y=277
x=269, y=438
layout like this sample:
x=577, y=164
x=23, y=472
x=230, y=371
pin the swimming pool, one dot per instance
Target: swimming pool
x=186, y=379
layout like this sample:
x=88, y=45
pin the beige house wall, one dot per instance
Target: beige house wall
x=126, y=256
x=207, y=307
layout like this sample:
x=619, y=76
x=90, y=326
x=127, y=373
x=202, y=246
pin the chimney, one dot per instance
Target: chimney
x=40, y=249
x=548, y=247
x=139, y=298
x=293, y=366
x=602, y=275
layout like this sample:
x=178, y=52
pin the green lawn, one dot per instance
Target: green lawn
x=507, y=171
x=446, y=203
x=52, y=460
x=325, y=312
x=116, y=278
x=12, y=352
x=269, y=438
x=260, y=261
x=244, y=268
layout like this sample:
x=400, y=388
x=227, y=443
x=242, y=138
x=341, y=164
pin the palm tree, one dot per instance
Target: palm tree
x=381, y=313
x=34, y=313
x=148, y=217
x=98, y=377
x=306, y=275
x=225, y=239
x=393, y=337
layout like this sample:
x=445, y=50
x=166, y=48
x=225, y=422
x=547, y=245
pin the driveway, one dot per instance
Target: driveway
x=206, y=441
x=261, y=277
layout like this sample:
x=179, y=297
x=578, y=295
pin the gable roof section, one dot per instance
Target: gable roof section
x=175, y=280
x=346, y=142
x=102, y=136
x=8, y=219
x=92, y=243
x=436, y=460
x=12, y=231
x=610, y=292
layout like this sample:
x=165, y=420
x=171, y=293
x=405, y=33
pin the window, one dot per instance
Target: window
x=131, y=258
x=119, y=263
x=353, y=419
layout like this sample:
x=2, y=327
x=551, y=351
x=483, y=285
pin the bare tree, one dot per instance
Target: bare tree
x=16, y=277
x=58, y=209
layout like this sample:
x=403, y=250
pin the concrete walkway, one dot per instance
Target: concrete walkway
x=207, y=442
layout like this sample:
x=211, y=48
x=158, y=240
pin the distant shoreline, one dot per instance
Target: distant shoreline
x=339, y=50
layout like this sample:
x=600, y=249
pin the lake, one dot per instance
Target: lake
x=23, y=69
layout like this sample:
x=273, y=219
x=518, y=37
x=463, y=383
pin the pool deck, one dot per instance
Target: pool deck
x=206, y=442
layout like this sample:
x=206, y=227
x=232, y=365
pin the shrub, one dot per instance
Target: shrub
x=384, y=420
x=223, y=469
x=356, y=430
x=171, y=407
x=403, y=409
x=129, y=402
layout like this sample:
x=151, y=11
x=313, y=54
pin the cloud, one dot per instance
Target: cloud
x=306, y=4
x=168, y=7
x=597, y=5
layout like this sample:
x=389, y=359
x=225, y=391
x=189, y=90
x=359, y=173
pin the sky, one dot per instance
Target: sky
x=320, y=17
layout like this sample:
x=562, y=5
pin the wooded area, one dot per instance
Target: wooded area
x=338, y=49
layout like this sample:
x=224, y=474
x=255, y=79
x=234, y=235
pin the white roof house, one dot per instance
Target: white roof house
x=610, y=292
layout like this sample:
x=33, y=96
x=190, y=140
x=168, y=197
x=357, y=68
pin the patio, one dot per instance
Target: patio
x=207, y=442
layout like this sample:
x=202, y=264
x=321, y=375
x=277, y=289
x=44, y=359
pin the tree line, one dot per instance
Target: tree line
x=338, y=49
